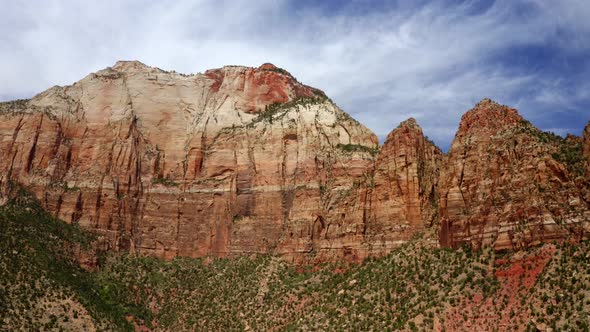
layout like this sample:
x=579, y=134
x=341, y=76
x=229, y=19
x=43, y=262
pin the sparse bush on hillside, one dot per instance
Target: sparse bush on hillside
x=165, y=181
x=571, y=156
x=281, y=71
x=273, y=111
x=357, y=148
x=38, y=267
x=415, y=287
x=542, y=136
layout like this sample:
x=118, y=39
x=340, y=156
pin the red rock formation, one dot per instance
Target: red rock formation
x=169, y=164
x=404, y=198
x=243, y=160
x=258, y=88
x=503, y=186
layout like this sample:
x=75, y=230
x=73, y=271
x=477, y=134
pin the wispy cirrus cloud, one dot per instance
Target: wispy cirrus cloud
x=381, y=61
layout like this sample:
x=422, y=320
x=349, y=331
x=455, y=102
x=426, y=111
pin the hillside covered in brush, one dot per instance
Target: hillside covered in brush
x=415, y=287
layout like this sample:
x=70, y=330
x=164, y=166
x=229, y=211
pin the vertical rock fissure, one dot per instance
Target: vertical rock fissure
x=33, y=149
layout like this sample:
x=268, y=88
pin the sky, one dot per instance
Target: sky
x=381, y=61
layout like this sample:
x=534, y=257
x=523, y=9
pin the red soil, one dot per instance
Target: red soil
x=502, y=311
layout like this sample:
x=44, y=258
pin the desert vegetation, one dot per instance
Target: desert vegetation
x=415, y=287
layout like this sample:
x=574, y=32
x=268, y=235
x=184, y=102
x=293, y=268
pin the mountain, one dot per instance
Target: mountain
x=242, y=160
x=404, y=197
x=507, y=184
x=236, y=160
x=186, y=199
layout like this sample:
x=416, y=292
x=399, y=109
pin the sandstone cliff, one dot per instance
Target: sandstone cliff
x=249, y=160
x=507, y=184
x=405, y=197
x=235, y=160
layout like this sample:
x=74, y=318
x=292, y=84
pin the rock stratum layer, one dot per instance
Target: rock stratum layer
x=248, y=160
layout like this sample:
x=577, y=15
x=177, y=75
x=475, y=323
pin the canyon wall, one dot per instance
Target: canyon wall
x=248, y=160
x=236, y=160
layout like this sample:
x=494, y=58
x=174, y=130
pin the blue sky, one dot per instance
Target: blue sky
x=381, y=61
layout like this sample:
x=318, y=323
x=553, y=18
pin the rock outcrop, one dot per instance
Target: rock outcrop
x=236, y=160
x=507, y=184
x=405, y=196
x=248, y=160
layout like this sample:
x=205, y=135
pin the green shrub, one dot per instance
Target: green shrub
x=165, y=181
x=357, y=148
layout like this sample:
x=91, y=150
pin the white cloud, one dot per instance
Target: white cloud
x=432, y=62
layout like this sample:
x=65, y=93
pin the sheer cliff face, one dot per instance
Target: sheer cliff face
x=405, y=196
x=507, y=184
x=236, y=160
x=248, y=160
